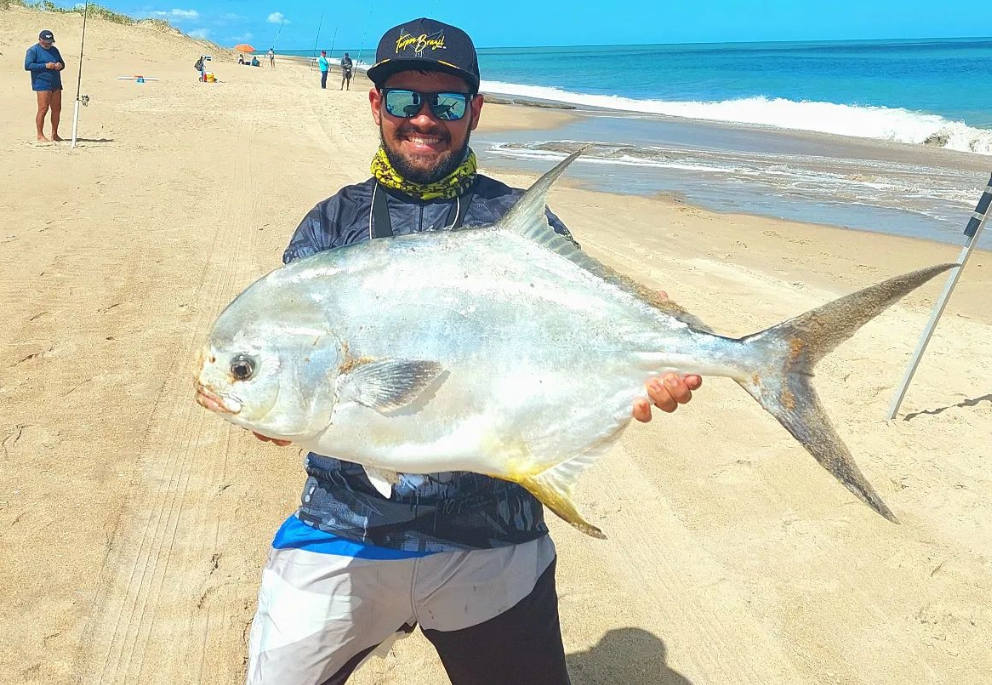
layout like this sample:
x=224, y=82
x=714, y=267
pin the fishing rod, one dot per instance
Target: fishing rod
x=358, y=60
x=317, y=39
x=79, y=76
x=278, y=33
x=334, y=38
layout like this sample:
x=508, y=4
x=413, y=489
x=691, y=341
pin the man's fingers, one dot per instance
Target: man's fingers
x=265, y=438
x=642, y=410
x=677, y=388
x=694, y=382
x=661, y=396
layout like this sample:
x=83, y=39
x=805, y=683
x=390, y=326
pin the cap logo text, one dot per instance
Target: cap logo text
x=418, y=44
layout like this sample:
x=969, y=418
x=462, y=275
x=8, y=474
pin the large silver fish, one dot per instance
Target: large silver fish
x=502, y=350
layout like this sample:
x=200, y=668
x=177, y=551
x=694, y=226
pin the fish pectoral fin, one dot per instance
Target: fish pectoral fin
x=389, y=384
x=554, y=488
x=382, y=480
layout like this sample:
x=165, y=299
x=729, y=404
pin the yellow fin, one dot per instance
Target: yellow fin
x=554, y=486
x=559, y=501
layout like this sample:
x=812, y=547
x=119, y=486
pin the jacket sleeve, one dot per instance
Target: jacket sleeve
x=29, y=61
x=320, y=230
x=559, y=227
x=306, y=239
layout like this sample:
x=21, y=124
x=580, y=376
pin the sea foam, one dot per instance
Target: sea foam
x=879, y=123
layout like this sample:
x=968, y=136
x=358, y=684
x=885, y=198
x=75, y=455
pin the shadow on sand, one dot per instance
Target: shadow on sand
x=627, y=656
x=960, y=405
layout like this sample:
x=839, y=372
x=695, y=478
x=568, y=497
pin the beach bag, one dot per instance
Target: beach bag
x=199, y=65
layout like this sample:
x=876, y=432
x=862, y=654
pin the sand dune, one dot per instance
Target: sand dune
x=134, y=524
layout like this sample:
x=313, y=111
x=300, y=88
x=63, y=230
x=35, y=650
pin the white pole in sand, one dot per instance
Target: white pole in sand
x=79, y=76
x=974, y=229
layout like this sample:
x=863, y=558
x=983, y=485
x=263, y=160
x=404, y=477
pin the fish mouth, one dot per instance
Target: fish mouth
x=208, y=399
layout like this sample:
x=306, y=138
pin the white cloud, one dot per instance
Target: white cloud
x=177, y=15
x=242, y=38
x=277, y=18
x=200, y=33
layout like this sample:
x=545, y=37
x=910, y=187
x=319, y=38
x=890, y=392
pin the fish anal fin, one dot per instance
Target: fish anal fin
x=554, y=488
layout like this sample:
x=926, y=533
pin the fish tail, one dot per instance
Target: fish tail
x=780, y=371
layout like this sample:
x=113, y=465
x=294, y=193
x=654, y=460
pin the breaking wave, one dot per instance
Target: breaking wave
x=879, y=123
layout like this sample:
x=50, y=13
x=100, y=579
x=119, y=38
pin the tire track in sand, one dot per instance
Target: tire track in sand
x=160, y=554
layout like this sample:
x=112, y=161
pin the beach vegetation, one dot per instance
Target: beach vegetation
x=100, y=11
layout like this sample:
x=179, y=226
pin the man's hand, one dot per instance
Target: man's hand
x=666, y=393
x=52, y=65
x=59, y=66
x=265, y=438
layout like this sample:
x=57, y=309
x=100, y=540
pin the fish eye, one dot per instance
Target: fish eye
x=242, y=367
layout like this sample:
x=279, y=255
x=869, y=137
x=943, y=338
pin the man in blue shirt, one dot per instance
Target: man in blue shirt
x=324, y=68
x=45, y=64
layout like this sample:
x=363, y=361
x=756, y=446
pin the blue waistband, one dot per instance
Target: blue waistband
x=294, y=534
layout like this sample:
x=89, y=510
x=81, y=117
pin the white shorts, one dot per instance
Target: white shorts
x=320, y=615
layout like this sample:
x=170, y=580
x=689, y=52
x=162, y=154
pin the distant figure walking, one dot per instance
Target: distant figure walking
x=45, y=63
x=272, y=58
x=324, y=67
x=346, y=67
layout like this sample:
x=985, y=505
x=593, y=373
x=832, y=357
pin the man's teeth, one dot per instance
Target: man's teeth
x=425, y=140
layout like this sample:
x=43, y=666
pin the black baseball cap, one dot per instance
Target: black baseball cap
x=46, y=35
x=426, y=45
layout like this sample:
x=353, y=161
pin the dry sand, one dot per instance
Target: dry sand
x=133, y=524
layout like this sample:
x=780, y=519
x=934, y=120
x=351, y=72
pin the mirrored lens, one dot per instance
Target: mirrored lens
x=407, y=103
x=450, y=106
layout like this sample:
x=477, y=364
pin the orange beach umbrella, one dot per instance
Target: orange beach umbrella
x=244, y=47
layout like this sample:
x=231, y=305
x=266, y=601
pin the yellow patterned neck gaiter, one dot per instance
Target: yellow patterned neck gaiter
x=452, y=185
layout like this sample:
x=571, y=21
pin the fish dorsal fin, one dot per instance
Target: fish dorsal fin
x=528, y=218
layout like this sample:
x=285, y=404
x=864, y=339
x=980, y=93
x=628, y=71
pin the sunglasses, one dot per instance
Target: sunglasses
x=406, y=104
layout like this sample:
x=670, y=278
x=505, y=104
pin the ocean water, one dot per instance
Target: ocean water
x=892, y=136
x=887, y=136
x=907, y=90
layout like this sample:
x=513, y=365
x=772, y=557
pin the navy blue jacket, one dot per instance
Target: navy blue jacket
x=439, y=512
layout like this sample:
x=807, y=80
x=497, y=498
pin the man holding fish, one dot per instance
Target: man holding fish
x=466, y=556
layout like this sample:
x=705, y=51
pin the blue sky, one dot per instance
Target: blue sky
x=568, y=22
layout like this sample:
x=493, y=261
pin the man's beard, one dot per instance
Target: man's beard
x=446, y=162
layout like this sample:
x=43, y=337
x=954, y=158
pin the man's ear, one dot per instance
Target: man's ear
x=375, y=100
x=477, y=103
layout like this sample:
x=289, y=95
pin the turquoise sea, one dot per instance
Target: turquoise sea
x=889, y=135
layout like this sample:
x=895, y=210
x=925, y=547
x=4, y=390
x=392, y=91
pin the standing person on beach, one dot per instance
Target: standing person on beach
x=324, y=68
x=272, y=58
x=466, y=556
x=346, y=67
x=45, y=63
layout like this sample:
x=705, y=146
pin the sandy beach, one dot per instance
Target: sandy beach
x=134, y=524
